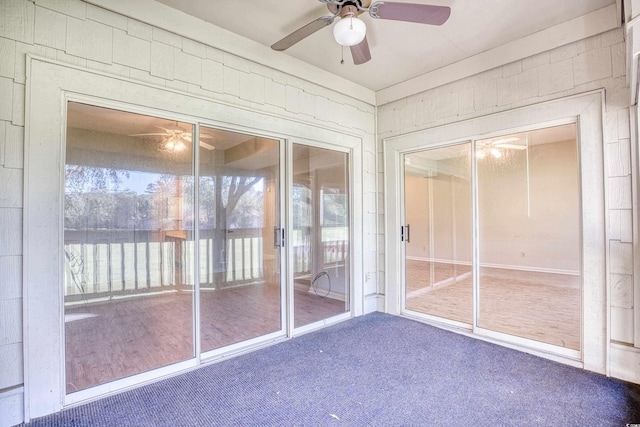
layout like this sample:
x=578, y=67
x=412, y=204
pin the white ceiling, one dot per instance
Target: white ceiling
x=400, y=51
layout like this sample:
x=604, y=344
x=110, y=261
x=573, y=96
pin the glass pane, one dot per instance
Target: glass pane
x=438, y=274
x=128, y=244
x=320, y=233
x=529, y=231
x=239, y=265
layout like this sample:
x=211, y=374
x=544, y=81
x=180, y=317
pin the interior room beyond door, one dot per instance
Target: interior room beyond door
x=521, y=275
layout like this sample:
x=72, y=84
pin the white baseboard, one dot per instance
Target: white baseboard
x=440, y=260
x=500, y=266
x=12, y=407
x=371, y=303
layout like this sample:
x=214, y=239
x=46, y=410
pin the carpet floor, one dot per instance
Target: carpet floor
x=375, y=370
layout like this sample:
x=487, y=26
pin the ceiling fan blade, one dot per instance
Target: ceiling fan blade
x=207, y=146
x=302, y=33
x=149, y=134
x=360, y=52
x=512, y=146
x=410, y=12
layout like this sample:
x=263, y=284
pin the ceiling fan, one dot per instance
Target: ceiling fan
x=176, y=139
x=350, y=31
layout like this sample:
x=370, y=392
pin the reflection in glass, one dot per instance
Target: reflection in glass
x=128, y=236
x=529, y=235
x=240, y=291
x=438, y=275
x=320, y=240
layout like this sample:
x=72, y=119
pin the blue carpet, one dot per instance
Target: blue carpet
x=373, y=370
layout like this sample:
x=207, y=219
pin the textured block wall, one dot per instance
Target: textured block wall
x=77, y=33
x=593, y=63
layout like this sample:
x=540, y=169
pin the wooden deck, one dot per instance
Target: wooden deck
x=115, y=339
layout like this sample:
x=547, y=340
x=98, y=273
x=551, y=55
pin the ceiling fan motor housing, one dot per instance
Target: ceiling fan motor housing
x=348, y=7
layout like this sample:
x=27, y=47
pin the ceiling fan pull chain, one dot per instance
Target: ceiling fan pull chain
x=342, y=60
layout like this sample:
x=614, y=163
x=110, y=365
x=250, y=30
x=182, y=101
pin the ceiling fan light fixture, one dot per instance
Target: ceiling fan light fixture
x=496, y=153
x=349, y=31
x=174, y=143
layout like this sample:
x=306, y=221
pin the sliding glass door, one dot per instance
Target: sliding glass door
x=239, y=205
x=128, y=243
x=492, y=242
x=529, y=282
x=438, y=274
x=321, y=230
x=173, y=245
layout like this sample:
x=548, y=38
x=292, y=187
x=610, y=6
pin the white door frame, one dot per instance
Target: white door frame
x=585, y=109
x=48, y=84
x=355, y=189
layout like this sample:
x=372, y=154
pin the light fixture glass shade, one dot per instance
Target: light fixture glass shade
x=174, y=143
x=349, y=31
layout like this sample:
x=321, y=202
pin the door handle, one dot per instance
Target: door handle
x=405, y=233
x=276, y=237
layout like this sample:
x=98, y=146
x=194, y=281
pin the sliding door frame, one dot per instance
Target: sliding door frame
x=403, y=215
x=353, y=203
x=586, y=110
x=49, y=84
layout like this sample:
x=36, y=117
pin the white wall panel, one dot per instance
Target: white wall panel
x=11, y=374
x=625, y=362
x=10, y=231
x=556, y=77
x=6, y=102
x=622, y=291
x=7, y=53
x=187, y=67
x=131, y=51
x=592, y=65
x=104, y=16
x=10, y=321
x=212, y=75
x=139, y=29
x=11, y=277
x=50, y=28
x=194, y=48
x=11, y=407
x=18, y=105
x=3, y=140
x=75, y=8
x=11, y=189
x=620, y=318
x=17, y=19
x=89, y=40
